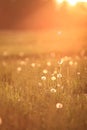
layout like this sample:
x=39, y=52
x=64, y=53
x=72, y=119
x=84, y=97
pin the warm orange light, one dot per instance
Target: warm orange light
x=71, y=2
x=59, y=1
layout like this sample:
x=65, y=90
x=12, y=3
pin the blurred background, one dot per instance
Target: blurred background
x=43, y=26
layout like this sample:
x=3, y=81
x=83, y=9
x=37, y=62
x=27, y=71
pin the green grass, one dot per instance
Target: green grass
x=26, y=101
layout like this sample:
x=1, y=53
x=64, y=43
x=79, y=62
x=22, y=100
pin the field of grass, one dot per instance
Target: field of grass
x=41, y=91
x=45, y=92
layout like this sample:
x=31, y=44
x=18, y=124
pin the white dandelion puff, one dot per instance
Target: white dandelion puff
x=59, y=75
x=59, y=105
x=53, y=90
x=53, y=78
x=45, y=71
x=43, y=78
x=61, y=61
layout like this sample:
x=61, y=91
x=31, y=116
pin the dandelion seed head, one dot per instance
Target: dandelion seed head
x=53, y=90
x=45, y=71
x=61, y=61
x=43, y=78
x=53, y=78
x=59, y=75
x=59, y=105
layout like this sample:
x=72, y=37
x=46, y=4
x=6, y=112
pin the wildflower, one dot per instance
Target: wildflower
x=59, y=105
x=60, y=62
x=53, y=90
x=48, y=63
x=53, y=78
x=43, y=78
x=59, y=75
x=45, y=71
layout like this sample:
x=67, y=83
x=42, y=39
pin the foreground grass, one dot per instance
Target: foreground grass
x=44, y=93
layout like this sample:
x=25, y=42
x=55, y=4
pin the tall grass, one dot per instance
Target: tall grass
x=28, y=101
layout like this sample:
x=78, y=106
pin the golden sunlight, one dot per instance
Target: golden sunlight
x=71, y=2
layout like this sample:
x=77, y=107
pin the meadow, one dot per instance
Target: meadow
x=40, y=90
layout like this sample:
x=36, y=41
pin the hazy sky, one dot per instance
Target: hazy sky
x=35, y=14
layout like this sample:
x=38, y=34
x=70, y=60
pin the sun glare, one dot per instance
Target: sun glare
x=71, y=2
x=59, y=1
